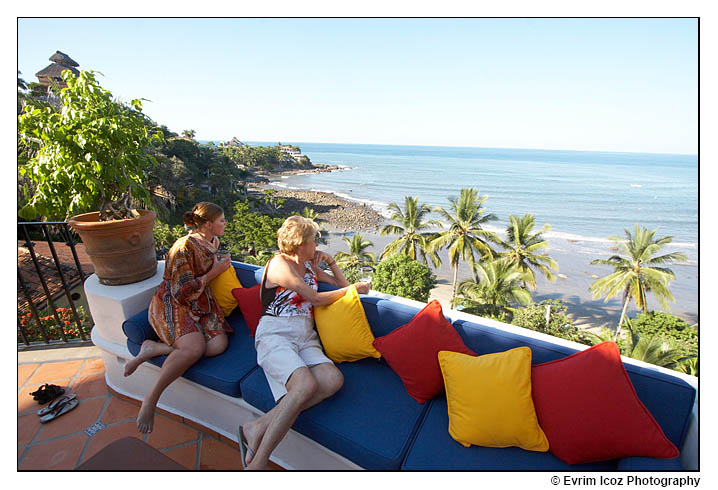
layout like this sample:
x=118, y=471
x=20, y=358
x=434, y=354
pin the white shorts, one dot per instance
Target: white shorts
x=285, y=344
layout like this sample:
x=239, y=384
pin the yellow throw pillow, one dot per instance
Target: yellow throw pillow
x=344, y=329
x=222, y=287
x=489, y=399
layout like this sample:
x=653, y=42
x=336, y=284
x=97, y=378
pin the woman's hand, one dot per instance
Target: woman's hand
x=362, y=287
x=218, y=267
x=221, y=265
x=320, y=257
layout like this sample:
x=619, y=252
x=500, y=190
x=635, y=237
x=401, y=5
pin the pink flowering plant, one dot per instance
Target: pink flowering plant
x=69, y=325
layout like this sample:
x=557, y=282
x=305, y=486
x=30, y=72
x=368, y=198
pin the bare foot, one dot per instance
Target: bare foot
x=149, y=349
x=146, y=417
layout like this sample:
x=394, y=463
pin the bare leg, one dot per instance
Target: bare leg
x=149, y=349
x=312, y=385
x=188, y=349
x=216, y=345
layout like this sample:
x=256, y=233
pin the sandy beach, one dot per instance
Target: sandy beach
x=576, y=274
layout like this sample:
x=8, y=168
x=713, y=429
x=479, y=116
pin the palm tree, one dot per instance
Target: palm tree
x=522, y=245
x=311, y=214
x=189, y=134
x=411, y=240
x=635, y=272
x=465, y=236
x=357, y=255
x=655, y=350
x=498, y=284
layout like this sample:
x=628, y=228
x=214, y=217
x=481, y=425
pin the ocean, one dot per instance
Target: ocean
x=585, y=196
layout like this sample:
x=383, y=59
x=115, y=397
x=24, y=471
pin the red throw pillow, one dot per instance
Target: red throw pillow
x=589, y=410
x=412, y=351
x=250, y=304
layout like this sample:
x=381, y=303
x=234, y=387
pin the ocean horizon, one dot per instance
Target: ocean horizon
x=585, y=196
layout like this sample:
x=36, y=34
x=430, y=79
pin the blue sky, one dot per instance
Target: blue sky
x=581, y=84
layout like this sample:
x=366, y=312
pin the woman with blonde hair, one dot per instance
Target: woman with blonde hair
x=299, y=374
x=183, y=312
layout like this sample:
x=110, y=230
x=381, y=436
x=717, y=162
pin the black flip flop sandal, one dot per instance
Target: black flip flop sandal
x=53, y=405
x=62, y=408
x=243, y=448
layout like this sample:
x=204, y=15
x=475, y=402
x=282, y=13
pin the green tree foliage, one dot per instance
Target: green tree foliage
x=662, y=324
x=248, y=232
x=253, y=156
x=402, y=276
x=655, y=349
x=637, y=271
x=92, y=154
x=166, y=235
x=466, y=236
x=498, y=285
x=559, y=324
x=523, y=247
x=356, y=257
x=412, y=241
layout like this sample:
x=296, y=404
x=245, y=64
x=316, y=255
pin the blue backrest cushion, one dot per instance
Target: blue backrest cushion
x=247, y=274
x=484, y=339
x=137, y=328
x=668, y=398
x=385, y=316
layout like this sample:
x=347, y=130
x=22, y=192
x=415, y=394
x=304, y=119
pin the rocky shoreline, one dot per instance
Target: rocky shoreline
x=340, y=214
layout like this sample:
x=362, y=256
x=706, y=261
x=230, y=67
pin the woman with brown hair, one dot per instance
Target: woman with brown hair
x=183, y=312
x=299, y=374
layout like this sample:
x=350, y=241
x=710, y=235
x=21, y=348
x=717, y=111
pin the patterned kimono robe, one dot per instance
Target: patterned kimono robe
x=180, y=305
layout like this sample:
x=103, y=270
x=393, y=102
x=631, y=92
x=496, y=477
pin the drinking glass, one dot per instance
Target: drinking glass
x=223, y=253
x=365, y=273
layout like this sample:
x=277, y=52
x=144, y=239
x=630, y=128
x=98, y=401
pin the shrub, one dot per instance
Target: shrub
x=559, y=325
x=166, y=235
x=53, y=330
x=400, y=275
x=671, y=327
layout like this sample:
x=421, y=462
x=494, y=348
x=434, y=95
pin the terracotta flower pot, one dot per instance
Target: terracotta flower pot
x=122, y=251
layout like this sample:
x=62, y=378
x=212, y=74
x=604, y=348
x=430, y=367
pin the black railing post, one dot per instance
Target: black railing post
x=50, y=303
x=71, y=243
x=27, y=336
x=64, y=284
x=33, y=310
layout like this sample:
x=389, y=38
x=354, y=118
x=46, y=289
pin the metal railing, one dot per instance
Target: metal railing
x=45, y=300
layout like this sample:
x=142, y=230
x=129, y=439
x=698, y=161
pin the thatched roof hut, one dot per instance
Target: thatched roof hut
x=53, y=73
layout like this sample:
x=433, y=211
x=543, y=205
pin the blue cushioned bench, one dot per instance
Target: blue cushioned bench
x=373, y=422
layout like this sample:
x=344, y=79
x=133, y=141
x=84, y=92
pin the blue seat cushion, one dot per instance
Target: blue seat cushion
x=434, y=449
x=222, y=373
x=369, y=421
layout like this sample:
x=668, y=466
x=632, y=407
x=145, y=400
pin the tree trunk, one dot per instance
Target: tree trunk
x=453, y=295
x=623, y=316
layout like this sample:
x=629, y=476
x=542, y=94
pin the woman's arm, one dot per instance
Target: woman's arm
x=337, y=279
x=281, y=274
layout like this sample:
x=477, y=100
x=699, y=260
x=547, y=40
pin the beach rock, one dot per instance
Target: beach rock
x=338, y=212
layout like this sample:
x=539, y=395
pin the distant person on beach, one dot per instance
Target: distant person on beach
x=299, y=374
x=184, y=314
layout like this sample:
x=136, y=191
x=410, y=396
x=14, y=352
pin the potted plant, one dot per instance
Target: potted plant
x=92, y=153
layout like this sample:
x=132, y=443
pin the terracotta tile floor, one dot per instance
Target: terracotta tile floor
x=62, y=444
